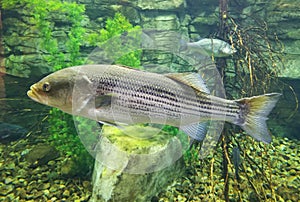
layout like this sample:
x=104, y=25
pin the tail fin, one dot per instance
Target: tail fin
x=253, y=115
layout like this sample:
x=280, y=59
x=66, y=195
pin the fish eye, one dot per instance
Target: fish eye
x=46, y=87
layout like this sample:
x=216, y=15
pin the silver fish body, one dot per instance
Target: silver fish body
x=129, y=96
x=209, y=47
x=116, y=94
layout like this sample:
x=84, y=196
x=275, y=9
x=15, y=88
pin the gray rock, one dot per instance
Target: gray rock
x=160, y=21
x=158, y=4
x=129, y=174
x=41, y=154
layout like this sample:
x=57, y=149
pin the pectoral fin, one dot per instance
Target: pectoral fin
x=196, y=131
x=103, y=101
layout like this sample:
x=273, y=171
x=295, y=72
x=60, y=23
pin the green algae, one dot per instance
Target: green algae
x=138, y=138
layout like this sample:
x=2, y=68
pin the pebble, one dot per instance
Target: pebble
x=38, y=194
x=22, y=193
x=7, y=189
x=293, y=180
x=10, y=197
x=8, y=180
x=86, y=184
x=53, y=189
x=11, y=166
x=51, y=163
x=282, y=147
x=66, y=193
x=75, y=196
x=19, y=182
x=46, y=185
x=186, y=183
x=181, y=198
x=22, y=172
x=53, y=199
x=46, y=192
x=292, y=172
x=22, y=182
x=40, y=186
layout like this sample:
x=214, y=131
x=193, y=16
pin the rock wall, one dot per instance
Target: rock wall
x=283, y=18
x=190, y=18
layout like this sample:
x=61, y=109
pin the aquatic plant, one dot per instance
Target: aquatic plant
x=63, y=135
x=252, y=70
x=44, y=17
x=114, y=29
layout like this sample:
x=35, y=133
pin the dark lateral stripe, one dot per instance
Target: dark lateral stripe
x=195, y=104
x=193, y=100
x=146, y=103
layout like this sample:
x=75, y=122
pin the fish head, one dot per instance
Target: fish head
x=55, y=90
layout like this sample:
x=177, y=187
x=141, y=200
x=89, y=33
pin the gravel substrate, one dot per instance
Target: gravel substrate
x=267, y=173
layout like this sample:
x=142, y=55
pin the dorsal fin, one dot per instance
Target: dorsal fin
x=191, y=79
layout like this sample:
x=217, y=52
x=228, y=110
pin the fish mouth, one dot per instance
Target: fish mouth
x=33, y=94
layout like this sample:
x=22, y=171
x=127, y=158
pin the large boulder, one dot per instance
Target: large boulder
x=135, y=168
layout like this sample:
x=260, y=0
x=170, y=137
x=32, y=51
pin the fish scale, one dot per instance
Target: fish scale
x=174, y=98
x=188, y=100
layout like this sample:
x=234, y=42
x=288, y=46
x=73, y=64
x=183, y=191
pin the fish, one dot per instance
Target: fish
x=236, y=158
x=116, y=94
x=208, y=47
x=11, y=132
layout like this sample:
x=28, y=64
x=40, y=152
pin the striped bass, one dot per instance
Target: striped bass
x=116, y=94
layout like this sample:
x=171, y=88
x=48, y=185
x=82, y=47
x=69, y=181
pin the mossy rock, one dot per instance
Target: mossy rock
x=137, y=138
x=135, y=157
x=139, y=149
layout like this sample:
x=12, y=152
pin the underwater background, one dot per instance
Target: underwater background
x=41, y=155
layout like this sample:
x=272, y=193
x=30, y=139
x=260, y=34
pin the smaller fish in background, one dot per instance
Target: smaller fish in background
x=208, y=47
x=236, y=158
x=10, y=132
